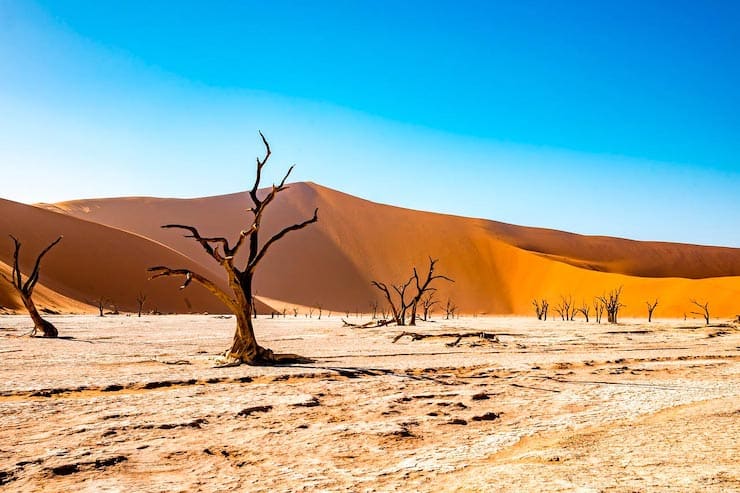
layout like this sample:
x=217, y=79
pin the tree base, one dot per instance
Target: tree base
x=261, y=357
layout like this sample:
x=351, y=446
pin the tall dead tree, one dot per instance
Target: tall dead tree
x=423, y=287
x=612, y=304
x=651, y=309
x=704, y=310
x=244, y=347
x=25, y=288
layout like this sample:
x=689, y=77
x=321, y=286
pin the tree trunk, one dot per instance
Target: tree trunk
x=40, y=325
x=413, y=314
x=244, y=347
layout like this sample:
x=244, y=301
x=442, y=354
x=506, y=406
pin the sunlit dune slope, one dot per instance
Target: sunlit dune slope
x=94, y=261
x=498, y=268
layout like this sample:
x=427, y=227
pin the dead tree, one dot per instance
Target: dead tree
x=244, y=348
x=398, y=310
x=100, y=303
x=450, y=308
x=374, y=308
x=424, y=287
x=651, y=309
x=140, y=300
x=401, y=306
x=612, y=304
x=427, y=302
x=25, y=289
x=598, y=309
x=704, y=310
x=540, y=308
x=584, y=309
x=566, y=308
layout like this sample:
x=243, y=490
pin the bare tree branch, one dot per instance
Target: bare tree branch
x=278, y=236
x=162, y=271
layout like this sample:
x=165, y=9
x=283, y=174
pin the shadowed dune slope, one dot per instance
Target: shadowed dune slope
x=42, y=296
x=94, y=261
x=498, y=268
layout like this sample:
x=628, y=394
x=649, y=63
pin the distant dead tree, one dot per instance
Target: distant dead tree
x=566, y=308
x=598, y=309
x=398, y=309
x=310, y=312
x=25, y=289
x=704, y=310
x=100, y=303
x=612, y=304
x=140, y=300
x=450, y=309
x=244, y=348
x=584, y=309
x=540, y=308
x=384, y=312
x=402, y=306
x=651, y=309
x=427, y=302
x=318, y=306
x=374, y=308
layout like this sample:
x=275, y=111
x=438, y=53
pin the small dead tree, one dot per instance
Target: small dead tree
x=25, y=289
x=140, y=300
x=598, y=310
x=427, y=302
x=374, y=308
x=100, y=303
x=585, y=310
x=423, y=287
x=612, y=304
x=566, y=308
x=704, y=310
x=450, y=309
x=401, y=306
x=651, y=309
x=244, y=347
x=398, y=310
x=540, y=308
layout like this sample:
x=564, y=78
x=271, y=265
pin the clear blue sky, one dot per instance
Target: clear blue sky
x=615, y=117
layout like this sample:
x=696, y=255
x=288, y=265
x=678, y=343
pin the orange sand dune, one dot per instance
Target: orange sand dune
x=94, y=261
x=498, y=268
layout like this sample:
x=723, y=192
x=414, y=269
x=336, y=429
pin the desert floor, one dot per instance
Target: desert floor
x=137, y=404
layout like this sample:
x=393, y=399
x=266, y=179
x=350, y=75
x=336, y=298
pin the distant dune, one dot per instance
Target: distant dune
x=498, y=268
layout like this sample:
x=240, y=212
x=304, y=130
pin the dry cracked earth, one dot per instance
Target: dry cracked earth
x=137, y=404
